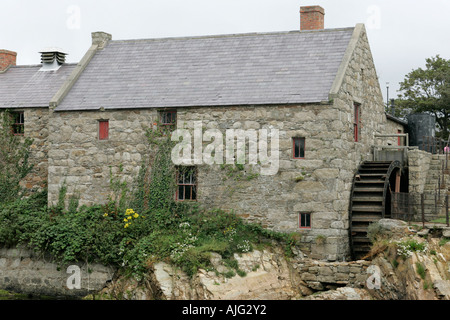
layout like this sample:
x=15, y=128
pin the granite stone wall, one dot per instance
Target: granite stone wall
x=36, y=128
x=86, y=164
x=24, y=271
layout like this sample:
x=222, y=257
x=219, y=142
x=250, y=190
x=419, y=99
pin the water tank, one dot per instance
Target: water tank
x=421, y=126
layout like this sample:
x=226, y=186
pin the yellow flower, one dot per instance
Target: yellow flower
x=126, y=226
x=136, y=215
x=129, y=218
x=105, y=215
x=125, y=220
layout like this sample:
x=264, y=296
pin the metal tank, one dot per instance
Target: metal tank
x=421, y=129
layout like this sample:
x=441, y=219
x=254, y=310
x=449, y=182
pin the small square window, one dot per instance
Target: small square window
x=298, y=148
x=18, y=125
x=304, y=220
x=168, y=119
x=103, y=129
x=186, y=183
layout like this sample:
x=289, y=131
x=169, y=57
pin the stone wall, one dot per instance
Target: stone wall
x=36, y=128
x=85, y=163
x=24, y=271
x=418, y=165
x=394, y=127
x=320, y=275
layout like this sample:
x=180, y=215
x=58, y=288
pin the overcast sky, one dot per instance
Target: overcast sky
x=402, y=33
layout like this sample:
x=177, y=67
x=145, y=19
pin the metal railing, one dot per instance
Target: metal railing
x=433, y=145
x=384, y=152
x=415, y=207
x=401, y=206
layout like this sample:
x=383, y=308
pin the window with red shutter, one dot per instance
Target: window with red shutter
x=357, y=122
x=298, y=146
x=103, y=130
x=304, y=220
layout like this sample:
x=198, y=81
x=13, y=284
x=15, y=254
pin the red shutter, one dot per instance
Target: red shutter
x=103, y=130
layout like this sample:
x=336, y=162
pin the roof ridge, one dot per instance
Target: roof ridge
x=230, y=35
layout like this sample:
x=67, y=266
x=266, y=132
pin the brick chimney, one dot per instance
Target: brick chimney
x=312, y=18
x=7, y=59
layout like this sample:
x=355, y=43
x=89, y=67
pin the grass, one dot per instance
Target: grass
x=421, y=270
x=439, y=220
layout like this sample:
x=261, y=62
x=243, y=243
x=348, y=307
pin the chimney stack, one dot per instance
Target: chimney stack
x=7, y=59
x=100, y=38
x=312, y=18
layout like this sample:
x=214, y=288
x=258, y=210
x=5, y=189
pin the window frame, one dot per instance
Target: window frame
x=20, y=115
x=306, y=214
x=163, y=122
x=105, y=131
x=294, y=139
x=192, y=184
x=357, y=122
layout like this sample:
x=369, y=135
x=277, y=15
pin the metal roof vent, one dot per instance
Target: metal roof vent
x=52, y=59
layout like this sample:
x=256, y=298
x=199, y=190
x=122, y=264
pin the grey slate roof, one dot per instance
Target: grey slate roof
x=27, y=87
x=245, y=69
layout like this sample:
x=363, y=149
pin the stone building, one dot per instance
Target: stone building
x=317, y=88
x=25, y=91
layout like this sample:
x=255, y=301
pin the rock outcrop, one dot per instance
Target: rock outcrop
x=390, y=274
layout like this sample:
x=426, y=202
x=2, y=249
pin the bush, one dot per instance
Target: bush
x=374, y=232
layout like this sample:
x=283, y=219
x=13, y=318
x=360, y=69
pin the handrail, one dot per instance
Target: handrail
x=402, y=148
x=406, y=135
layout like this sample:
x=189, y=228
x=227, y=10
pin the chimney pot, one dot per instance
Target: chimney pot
x=312, y=18
x=7, y=59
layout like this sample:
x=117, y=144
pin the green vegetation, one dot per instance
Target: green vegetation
x=14, y=155
x=428, y=90
x=136, y=228
x=440, y=220
x=407, y=247
x=421, y=270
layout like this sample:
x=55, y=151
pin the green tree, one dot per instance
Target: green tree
x=428, y=90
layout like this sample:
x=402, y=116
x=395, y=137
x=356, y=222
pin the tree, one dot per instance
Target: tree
x=428, y=91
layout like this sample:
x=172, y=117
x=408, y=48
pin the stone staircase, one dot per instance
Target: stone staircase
x=437, y=186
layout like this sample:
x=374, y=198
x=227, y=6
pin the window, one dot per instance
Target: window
x=399, y=141
x=168, y=119
x=186, y=183
x=18, y=125
x=103, y=129
x=298, y=148
x=305, y=220
x=357, y=122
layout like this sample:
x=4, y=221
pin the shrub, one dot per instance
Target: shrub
x=420, y=270
x=406, y=248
